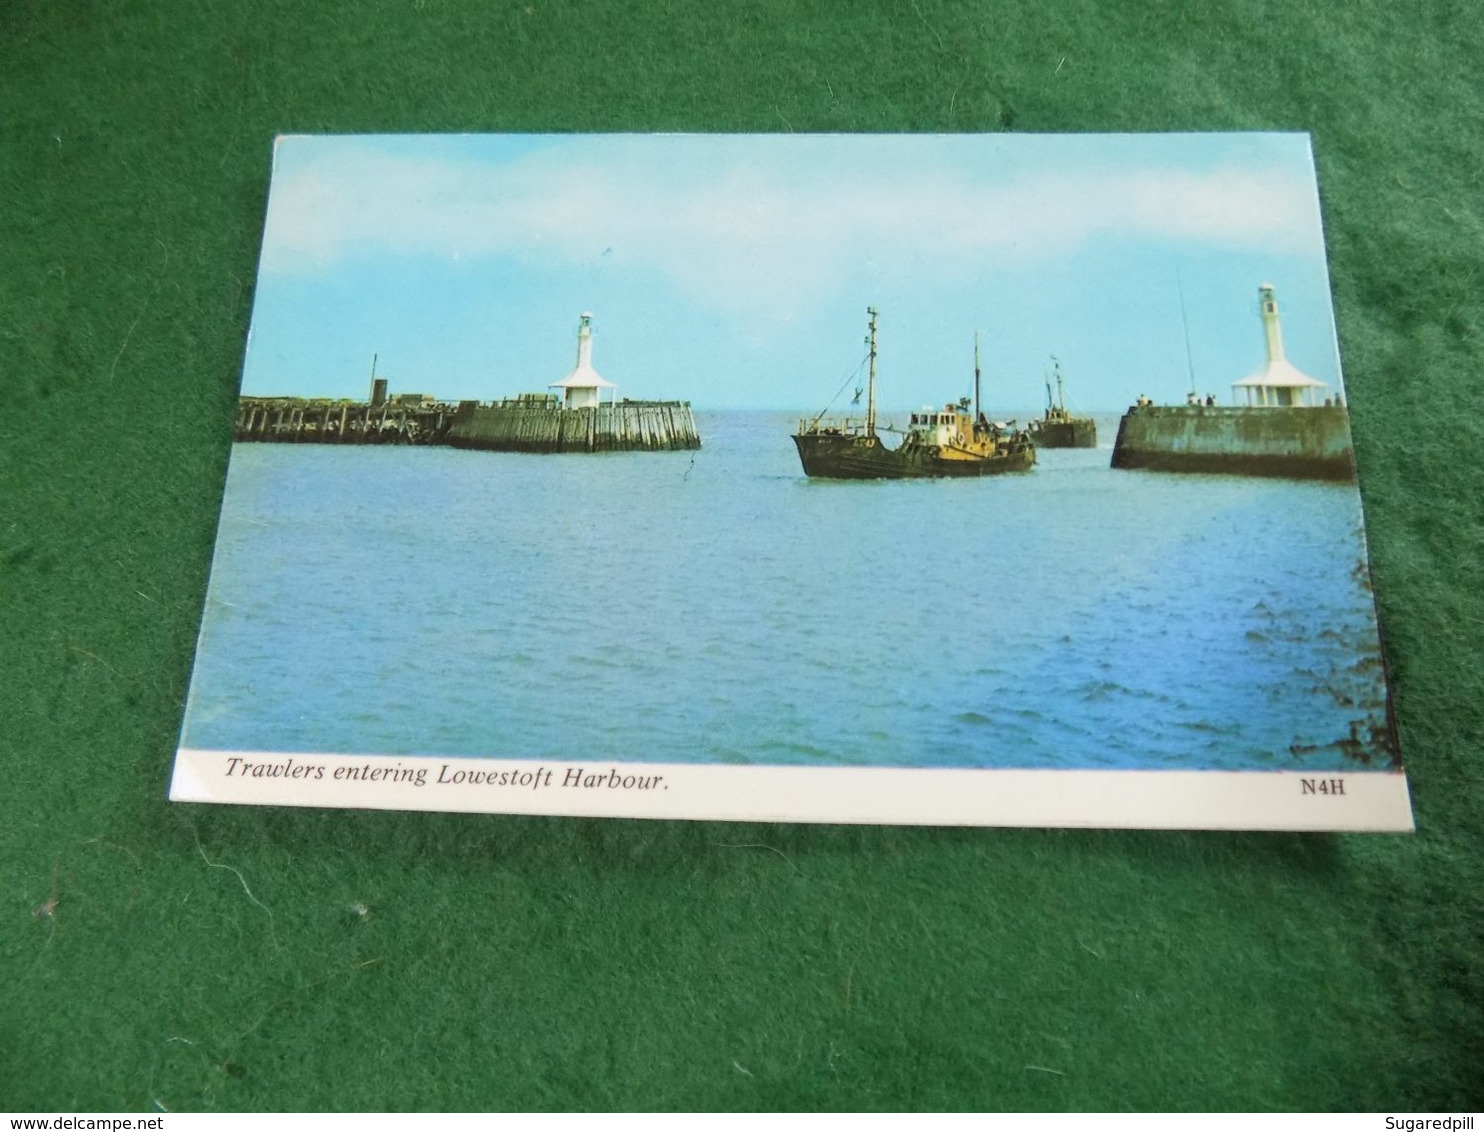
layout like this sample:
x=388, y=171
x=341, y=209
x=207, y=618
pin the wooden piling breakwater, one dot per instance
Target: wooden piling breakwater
x=296, y=420
x=530, y=423
x=539, y=425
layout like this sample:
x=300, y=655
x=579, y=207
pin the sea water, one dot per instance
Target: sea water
x=717, y=606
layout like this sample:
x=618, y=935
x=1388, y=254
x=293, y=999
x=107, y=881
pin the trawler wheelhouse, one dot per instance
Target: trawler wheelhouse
x=952, y=425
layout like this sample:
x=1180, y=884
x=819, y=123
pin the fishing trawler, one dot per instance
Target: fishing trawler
x=1058, y=428
x=938, y=442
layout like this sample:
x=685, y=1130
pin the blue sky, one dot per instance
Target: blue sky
x=734, y=270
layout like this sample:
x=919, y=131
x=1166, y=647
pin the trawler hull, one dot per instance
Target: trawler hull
x=1079, y=432
x=847, y=457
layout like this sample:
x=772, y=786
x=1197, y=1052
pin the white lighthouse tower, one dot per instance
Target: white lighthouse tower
x=1277, y=384
x=583, y=388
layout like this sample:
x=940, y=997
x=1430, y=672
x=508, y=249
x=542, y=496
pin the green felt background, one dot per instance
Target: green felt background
x=545, y=963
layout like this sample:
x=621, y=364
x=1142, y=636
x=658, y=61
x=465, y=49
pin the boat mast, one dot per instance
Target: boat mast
x=1061, y=396
x=976, y=377
x=871, y=381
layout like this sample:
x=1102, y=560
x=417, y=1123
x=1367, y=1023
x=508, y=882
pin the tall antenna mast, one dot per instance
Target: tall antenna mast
x=871, y=381
x=1185, y=325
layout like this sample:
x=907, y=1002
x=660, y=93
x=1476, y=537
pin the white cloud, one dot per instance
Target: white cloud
x=752, y=232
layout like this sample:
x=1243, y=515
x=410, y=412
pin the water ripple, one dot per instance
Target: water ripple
x=646, y=607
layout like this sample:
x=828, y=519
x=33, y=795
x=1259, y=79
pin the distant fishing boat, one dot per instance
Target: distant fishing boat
x=946, y=442
x=1059, y=428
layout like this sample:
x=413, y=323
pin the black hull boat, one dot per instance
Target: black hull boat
x=1078, y=432
x=842, y=456
x=1058, y=428
x=938, y=443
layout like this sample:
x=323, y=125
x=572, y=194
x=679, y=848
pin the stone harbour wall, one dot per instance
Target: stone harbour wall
x=1300, y=443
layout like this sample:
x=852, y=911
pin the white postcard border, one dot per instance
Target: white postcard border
x=1363, y=800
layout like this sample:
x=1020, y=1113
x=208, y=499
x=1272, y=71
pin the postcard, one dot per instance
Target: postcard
x=972, y=480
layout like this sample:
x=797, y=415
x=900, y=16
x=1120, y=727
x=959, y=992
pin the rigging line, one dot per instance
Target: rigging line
x=849, y=378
